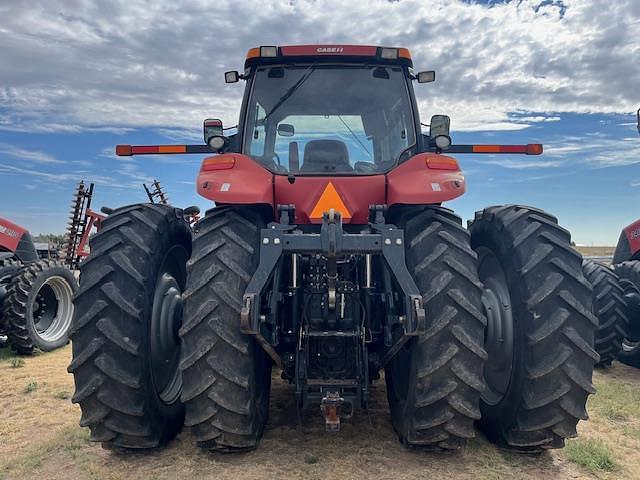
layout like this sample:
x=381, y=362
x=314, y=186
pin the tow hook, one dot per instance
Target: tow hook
x=331, y=407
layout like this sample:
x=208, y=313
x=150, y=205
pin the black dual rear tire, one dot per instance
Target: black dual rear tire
x=540, y=331
x=8, y=269
x=610, y=308
x=629, y=274
x=434, y=382
x=227, y=375
x=125, y=330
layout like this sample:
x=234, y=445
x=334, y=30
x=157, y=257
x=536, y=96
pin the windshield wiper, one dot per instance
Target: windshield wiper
x=306, y=74
x=356, y=137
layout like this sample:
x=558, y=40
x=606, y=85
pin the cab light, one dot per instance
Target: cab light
x=224, y=162
x=442, y=163
x=268, y=51
x=389, y=53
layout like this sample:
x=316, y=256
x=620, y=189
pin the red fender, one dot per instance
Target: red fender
x=632, y=232
x=10, y=235
x=426, y=178
x=235, y=178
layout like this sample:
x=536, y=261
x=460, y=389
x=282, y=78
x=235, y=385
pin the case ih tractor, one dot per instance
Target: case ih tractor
x=329, y=256
x=36, y=296
x=626, y=260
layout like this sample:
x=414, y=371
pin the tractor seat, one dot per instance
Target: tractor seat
x=325, y=156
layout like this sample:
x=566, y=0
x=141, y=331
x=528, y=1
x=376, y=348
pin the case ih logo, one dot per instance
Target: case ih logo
x=7, y=231
x=330, y=50
x=635, y=234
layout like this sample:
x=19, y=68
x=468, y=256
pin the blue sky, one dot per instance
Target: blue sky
x=78, y=77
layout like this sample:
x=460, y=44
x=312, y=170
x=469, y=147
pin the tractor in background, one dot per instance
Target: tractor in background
x=626, y=263
x=36, y=295
x=328, y=256
x=617, y=298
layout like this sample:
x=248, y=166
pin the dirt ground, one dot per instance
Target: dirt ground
x=596, y=251
x=40, y=439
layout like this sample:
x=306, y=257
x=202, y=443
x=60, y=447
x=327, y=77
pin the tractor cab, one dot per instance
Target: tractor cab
x=350, y=113
x=328, y=110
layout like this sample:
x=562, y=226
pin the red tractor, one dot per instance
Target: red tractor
x=36, y=296
x=329, y=256
x=617, y=298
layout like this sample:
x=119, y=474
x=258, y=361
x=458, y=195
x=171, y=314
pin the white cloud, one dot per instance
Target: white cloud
x=595, y=150
x=27, y=155
x=524, y=164
x=98, y=65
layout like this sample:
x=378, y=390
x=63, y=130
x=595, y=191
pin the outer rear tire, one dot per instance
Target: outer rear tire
x=629, y=273
x=125, y=345
x=434, y=383
x=8, y=269
x=227, y=375
x=609, y=307
x=549, y=379
x=39, y=307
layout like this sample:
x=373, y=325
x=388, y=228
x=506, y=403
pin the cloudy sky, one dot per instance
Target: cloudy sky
x=78, y=77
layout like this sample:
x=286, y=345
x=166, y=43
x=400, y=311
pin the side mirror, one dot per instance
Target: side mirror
x=286, y=130
x=213, y=134
x=439, y=131
x=231, y=77
x=426, y=77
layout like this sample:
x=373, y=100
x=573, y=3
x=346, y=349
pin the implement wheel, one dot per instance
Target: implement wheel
x=227, y=375
x=610, y=307
x=540, y=329
x=126, y=347
x=434, y=382
x=39, y=307
x=629, y=273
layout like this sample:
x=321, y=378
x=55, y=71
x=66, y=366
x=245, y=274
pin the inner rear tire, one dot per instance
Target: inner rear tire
x=434, y=382
x=125, y=343
x=611, y=309
x=629, y=274
x=227, y=375
x=537, y=389
x=39, y=307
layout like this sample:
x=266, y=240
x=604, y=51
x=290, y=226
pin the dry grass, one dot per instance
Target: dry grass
x=39, y=438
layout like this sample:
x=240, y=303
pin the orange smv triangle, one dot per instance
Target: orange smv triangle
x=329, y=199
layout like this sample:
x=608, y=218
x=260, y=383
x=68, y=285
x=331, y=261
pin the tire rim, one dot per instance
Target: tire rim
x=629, y=347
x=166, y=319
x=499, y=335
x=53, y=309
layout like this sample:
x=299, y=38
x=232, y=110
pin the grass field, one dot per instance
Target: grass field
x=40, y=439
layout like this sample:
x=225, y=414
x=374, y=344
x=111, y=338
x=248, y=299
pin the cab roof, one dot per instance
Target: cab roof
x=327, y=53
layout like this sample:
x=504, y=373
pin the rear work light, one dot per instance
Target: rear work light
x=267, y=51
x=224, y=162
x=394, y=53
x=389, y=53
